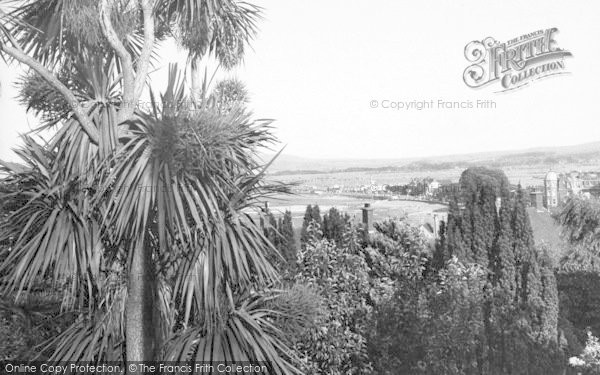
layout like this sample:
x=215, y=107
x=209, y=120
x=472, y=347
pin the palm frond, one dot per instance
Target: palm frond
x=247, y=335
x=220, y=27
x=194, y=185
x=56, y=31
x=52, y=231
x=99, y=335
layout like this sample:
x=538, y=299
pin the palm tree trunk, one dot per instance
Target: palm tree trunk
x=140, y=331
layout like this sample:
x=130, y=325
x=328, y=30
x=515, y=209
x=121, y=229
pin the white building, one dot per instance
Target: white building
x=551, y=190
x=432, y=187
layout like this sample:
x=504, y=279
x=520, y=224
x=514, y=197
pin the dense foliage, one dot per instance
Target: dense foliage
x=484, y=301
x=416, y=187
x=335, y=225
x=140, y=215
x=280, y=232
x=387, y=304
x=337, y=345
x=312, y=213
x=489, y=226
x=128, y=235
x=588, y=362
x=579, y=283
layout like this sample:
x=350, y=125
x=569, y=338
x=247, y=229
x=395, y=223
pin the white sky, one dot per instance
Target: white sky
x=315, y=67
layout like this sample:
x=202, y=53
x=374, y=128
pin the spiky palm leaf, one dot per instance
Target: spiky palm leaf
x=95, y=337
x=94, y=84
x=222, y=27
x=52, y=231
x=100, y=335
x=247, y=334
x=192, y=174
x=56, y=32
x=228, y=95
x=174, y=181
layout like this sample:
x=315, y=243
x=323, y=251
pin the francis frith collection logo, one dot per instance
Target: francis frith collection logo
x=515, y=63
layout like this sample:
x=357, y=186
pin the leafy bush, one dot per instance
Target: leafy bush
x=30, y=324
x=589, y=359
x=337, y=343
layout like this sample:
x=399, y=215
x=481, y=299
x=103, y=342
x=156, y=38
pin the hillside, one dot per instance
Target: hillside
x=548, y=156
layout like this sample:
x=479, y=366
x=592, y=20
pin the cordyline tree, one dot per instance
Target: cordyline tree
x=138, y=212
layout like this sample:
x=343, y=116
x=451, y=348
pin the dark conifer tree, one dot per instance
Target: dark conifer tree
x=335, y=225
x=273, y=232
x=312, y=214
x=316, y=215
x=268, y=223
x=481, y=190
x=523, y=246
x=308, y=215
x=440, y=253
x=494, y=231
x=504, y=268
x=503, y=302
x=549, y=297
x=286, y=229
x=480, y=235
x=454, y=244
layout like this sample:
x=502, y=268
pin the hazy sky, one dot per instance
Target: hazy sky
x=315, y=67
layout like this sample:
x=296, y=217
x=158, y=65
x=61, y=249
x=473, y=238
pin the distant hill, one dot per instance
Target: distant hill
x=583, y=153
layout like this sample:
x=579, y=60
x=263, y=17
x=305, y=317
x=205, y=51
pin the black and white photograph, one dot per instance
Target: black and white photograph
x=265, y=187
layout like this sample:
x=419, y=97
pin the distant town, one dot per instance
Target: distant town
x=552, y=191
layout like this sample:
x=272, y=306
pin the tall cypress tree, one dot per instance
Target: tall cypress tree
x=268, y=223
x=538, y=284
x=480, y=190
x=504, y=293
x=549, y=297
x=454, y=244
x=440, y=254
x=316, y=215
x=523, y=247
x=312, y=213
x=503, y=256
x=286, y=229
x=273, y=232
x=521, y=309
x=308, y=214
x=335, y=225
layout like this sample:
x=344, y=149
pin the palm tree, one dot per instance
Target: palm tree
x=142, y=216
